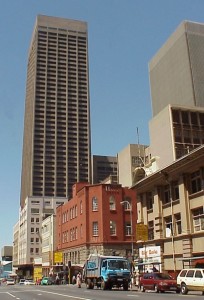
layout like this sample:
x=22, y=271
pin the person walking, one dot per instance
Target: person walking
x=79, y=280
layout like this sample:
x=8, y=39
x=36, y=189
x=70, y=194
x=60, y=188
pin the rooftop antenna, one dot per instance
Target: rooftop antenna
x=138, y=145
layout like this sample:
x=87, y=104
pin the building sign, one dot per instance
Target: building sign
x=58, y=258
x=141, y=232
x=151, y=256
x=37, y=274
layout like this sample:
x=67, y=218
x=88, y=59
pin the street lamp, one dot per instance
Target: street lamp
x=130, y=206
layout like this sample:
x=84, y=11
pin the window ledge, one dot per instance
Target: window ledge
x=197, y=194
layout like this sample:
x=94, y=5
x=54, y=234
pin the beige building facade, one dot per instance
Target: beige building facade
x=171, y=203
x=129, y=158
x=180, y=128
x=177, y=70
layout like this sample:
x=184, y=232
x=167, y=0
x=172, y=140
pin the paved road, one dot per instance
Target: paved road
x=71, y=292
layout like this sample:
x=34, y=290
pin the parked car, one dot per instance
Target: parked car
x=191, y=280
x=21, y=281
x=29, y=282
x=10, y=281
x=159, y=282
x=46, y=281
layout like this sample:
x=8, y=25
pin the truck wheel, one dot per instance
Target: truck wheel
x=184, y=289
x=125, y=286
x=103, y=285
x=88, y=284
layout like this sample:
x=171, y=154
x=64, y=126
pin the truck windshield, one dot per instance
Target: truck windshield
x=118, y=264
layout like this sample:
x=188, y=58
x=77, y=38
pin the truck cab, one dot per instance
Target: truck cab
x=106, y=272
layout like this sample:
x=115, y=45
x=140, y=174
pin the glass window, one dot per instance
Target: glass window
x=195, y=182
x=178, y=223
x=127, y=228
x=198, y=274
x=151, y=230
x=35, y=211
x=112, y=228
x=190, y=273
x=94, y=204
x=150, y=200
x=127, y=203
x=168, y=226
x=95, y=228
x=80, y=207
x=198, y=219
x=166, y=198
x=136, y=161
x=175, y=190
x=112, y=203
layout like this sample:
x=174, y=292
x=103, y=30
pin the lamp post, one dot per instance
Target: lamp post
x=130, y=206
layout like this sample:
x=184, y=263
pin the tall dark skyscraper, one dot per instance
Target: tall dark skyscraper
x=57, y=143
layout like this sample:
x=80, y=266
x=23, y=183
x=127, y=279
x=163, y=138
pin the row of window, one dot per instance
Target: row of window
x=72, y=234
x=170, y=192
x=173, y=225
x=72, y=213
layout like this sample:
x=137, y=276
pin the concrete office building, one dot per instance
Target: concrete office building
x=56, y=145
x=170, y=203
x=129, y=159
x=35, y=210
x=103, y=167
x=175, y=131
x=177, y=70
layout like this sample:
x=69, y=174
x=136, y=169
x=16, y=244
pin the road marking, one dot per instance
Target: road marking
x=132, y=295
x=11, y=295
x=67, y=296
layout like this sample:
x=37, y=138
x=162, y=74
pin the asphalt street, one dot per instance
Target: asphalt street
x=61, y=292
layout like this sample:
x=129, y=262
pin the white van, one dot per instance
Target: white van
x=191, y=280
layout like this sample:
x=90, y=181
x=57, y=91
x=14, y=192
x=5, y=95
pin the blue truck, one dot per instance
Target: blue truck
x=106, y=272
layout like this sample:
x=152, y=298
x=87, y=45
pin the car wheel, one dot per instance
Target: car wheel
x=156, y=288
x=142, y=289
x=184, y=289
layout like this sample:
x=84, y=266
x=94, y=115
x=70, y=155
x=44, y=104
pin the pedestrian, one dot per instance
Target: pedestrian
x=79, y=280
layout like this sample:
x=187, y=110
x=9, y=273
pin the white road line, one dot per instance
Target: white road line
x=11, y=295
x=66, y=296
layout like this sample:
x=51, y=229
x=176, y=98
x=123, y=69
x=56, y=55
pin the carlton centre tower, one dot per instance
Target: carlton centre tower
x=56, y=145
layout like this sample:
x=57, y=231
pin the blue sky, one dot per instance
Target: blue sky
x=123, y=36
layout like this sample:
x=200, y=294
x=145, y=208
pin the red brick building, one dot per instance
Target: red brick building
x=95, y=221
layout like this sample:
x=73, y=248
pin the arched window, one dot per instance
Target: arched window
x=112, y=203
x=94, y=204
x=112, y=228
